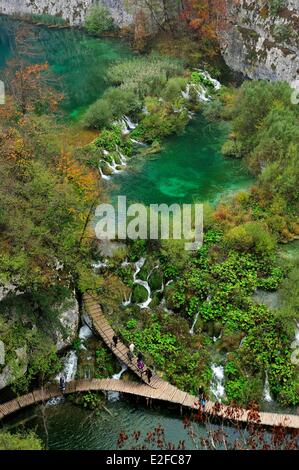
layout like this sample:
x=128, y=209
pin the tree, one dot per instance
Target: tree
x=205, y=17
x=30, y=83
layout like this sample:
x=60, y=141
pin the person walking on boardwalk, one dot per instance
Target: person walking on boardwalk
x=114, y=341
x=130, y=353
x=140, y=366
x=200, y=393
x=203, y=401
x=149, y=375
x=139, y=356
x=62, y=383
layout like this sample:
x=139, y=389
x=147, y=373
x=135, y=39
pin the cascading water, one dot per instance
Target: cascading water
x=69, y=370
x=217, y=382
x=267, y=393
x=103, y=176
x=191, y=331
x=99, y=265
x=114, y=396
x=138, y=266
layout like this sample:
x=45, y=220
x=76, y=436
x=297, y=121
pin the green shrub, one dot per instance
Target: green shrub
x=19, y=441
x=99, y=20
x=276, y=6
x=145, y=75
x=173, y=88
x=115, y=103
x=252, y=236
x=282, y=32
x=232, y=148
x=98, y=115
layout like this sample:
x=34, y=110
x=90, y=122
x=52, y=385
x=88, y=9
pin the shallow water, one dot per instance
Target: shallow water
x=78, y=61
x=190, y=168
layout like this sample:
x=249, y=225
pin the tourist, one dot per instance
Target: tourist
x=140, y=366
x=140, y=356
x=114, y=341
x=149, y=375
x=62, y=384
x=200, y=393
x=131, y=348
x=203, y=401
x=130, y=356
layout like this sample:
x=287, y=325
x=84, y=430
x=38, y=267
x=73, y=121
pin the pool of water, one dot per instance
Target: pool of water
x=74, y=428
x=78, y=61
x=190, y=168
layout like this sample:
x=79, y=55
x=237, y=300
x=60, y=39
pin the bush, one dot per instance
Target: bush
x=98, y=115
x=252, y=236
x=276, y=6
x=145, y=75
x=173, y=88
x=25, y=441
x=99, y=20
x=115, y=103
x=232, y=148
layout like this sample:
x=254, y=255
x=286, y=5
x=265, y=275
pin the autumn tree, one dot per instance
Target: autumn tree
x=205, y=17
x=29, y=82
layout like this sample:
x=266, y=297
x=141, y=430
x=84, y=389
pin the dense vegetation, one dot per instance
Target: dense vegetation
x=49, y=186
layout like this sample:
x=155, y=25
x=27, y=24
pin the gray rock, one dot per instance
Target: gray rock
x=15, y=369
x=249, y=43
x=69, y=319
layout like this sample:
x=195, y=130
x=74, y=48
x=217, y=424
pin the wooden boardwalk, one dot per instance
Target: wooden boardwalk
x=158, y=389
x=142, y=390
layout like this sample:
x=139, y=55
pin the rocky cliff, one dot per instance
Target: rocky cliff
x=73, y=11
x=261, y=39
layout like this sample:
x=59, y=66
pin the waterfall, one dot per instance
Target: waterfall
x=169, y=282
x=131, y=125
x=126, y=302
x=114, y=396
x=99, y=265
x=297, y=333
x=85, y=333
x=217, y=85
x=125, y=263
x=267, y=393
x=104, y=177
x=137, y=142
x=217, y=382
x=219, y=337
x=200, y=91
x=69, y=370
x=191, y=331
x=138, y=266
x=113, y=166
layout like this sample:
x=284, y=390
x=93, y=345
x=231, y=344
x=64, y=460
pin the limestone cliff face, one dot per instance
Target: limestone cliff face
x=258, y=41
x=261, y=43
x=72, y=10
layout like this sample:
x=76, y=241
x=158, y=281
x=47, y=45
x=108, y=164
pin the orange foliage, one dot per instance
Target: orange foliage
x=206, y=17
x=84, y=179
x=30, y=86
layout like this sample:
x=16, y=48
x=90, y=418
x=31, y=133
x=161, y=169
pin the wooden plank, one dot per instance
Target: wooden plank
x=26, y=400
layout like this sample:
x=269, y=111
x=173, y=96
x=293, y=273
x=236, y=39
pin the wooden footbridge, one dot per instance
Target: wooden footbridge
x=158, y=389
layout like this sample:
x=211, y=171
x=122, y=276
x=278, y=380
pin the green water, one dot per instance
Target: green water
x=73, y=428
x=190, y=168
x=78, y=61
